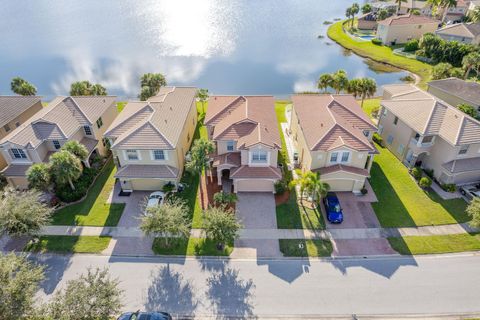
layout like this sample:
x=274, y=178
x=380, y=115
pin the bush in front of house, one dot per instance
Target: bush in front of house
x=377, y=42
x=425, y=182
x=416, y=173
x=222, y=198
x=65, y=194
x=411, y=46
x=378, y=139
x=280, y=186
x=429, y=173
x=449, y=187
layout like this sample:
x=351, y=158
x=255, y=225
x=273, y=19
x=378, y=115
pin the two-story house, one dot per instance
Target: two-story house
x=333, y=136
x=83, y=119
x=149, y=139
x=245, y=131
x=15, y=110
x=401, y=29
x=422, y=130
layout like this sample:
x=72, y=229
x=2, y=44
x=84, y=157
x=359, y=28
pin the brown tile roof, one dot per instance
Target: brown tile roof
x=330, y=121
x=156, y=123
x=246, y=119
x=13, y=106
x=247, y=172
x=341, y=167
x=147, y=171
x=231, y=158
x=16, y=170
x=407, y=19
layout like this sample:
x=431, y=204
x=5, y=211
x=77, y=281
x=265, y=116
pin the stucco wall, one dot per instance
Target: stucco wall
x=403, y=33
x=402, y=134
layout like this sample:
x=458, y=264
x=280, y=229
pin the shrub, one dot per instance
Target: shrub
x=416, y=173
x=224, y=198
x=280, y=186
x=378, y=139
x=408, y=78
x=449, y=187
x=377, y=42
x=64, y=193
x=429, y=172
x=468, y=109
x=168, y=187
x=411, y=46
x=425, y=182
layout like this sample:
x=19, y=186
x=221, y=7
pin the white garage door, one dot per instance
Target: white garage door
x=254, y=185
x=340, y=184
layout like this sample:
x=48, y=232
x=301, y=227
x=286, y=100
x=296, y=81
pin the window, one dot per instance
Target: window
x=158, y=155
x=6, y=127
x=88, y=130
x=427, y=139
x=230, y=145
x=385, y=111
x=259, y=156
x=380, y=129
x=366, y=133
x=463, y=149
x=56, y=144
x=131, y=155
x=390, y=139
x=18, y=154
x=99, y=123
x=395, y=120
x=417, y=136
x=400, y=149
x=334, y=157
x=345, y=156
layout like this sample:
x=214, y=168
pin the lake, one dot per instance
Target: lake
x=229, y=47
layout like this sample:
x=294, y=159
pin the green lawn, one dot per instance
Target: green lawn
x=280, y=106
x=69, y=244
x=292, y=215
x=369, y=104
x=379, y=53
x=189, y=247
x=94, y=210
x=121, y=105
x=436, y=244
x=402, y=203
x=305, y=248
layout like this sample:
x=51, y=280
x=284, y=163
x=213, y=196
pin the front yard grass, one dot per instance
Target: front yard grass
x=436, y=244
x=94, y=209
x=305, y=248
x=402, y=203
x=69, y=244
x=292, y=215
x=190, y=247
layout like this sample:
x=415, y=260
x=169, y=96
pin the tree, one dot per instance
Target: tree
x=202, y=96
x=76, y=148
x=399, y=5
x=348, y=14
x=21, y=213
x=354, y=87
x=367, y=88
x=468, y=109
x=303, y=182
x=169, y=219
x=220, y=226
x=85, y=88
x=471, y=61
x=38, y=176
x=354, y=9
x=473, y=210
x=319, y=188
x=19, y=283
x=339, y=81
x=66, y=168
x=475, y=15
x=324, y=81
x=416, y=12
x=382, y=14
x=425, y=182
x=22, y=87
x=199, y=158
x=447, y=4
x=366, y=8
x=150, y=84
x=91, y=296
x=441, y=71
x=98, y=90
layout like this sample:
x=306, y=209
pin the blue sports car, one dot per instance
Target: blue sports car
x=333, y=209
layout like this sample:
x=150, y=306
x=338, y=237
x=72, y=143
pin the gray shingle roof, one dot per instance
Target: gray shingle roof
x=465, y=90
x=13, y=106
x=468, y=30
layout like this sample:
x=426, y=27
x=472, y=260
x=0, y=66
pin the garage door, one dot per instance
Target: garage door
x=147, y=184
x=254, y=185
x=340, y=184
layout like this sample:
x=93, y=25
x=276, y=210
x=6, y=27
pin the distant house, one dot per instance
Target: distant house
x=333, y=136
x=245, y=131
x=401, y=29
x=456, y=91
x=150, y=139
x=422, y=130
x=474, y=4
x=368, y=21
x=83, y=119
x=405, y=7
x=15, y=110
x=456, y=13
x=461, y=32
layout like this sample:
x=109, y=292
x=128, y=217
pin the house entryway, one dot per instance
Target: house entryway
x=227, y=183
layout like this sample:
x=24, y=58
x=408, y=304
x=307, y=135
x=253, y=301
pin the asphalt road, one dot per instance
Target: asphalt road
x=426, y=285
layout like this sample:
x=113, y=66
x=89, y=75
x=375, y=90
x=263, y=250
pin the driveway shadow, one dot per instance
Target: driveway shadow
x=55, y=266
x=289, y=270
x=383, y=267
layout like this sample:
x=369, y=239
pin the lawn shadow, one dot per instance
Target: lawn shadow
x=455, y=207
x=170, y=291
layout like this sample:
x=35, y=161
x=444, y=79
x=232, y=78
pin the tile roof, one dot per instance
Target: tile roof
x=156, y=123
x=468, y=30
x=428, y=115
x=89, y=143
x=330, y=121
x=13, y=106
x=465, y=90
x=246, y=119
x=344, y=168
x=407, y=19
x=230, y=158
x=59, y=120
x=462, y=165
x=16, y=170
x=248, y=172
x=147, y=171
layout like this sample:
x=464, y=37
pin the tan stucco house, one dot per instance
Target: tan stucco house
x=149, y=139
x=15, y=110
x=401, y=29
x=423, y=130
x=332, y=135
x=456, y=91
x=245, y=131
x=83, y=119
x=461, y=32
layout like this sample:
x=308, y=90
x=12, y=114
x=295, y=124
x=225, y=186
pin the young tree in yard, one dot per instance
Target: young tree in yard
x=91, y=296
x=339, y=81
x=468, y=109
x=220, y=226
x=76, y=148
x=66, y=168
x=199, y=158
x=473, y=210
x=19, y=283
x=471, y=61
x=38, y=176
x=21, y=213
x=169, y=219
x=324, y=81
x=318, y=187
x=441, y=71
x=366, y=8
x=22, y=87
x=150, y=84
x=382, y=14
x=303, y=182
x=202, y=96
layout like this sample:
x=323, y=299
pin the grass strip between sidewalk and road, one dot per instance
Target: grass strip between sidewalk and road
x=190, y=247
x=436, y=244
x=69, y=244
x=305, y=248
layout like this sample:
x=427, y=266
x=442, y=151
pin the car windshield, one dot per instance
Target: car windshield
x=156, y=196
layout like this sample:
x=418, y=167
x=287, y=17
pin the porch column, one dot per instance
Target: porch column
x=219, y=176
x=370, y=162
x=86, y=163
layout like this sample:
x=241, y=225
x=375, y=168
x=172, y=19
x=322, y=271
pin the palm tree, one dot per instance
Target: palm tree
x=77, y=149
x=354, y=9
x=150, y=84
x=98, y=90
x=303, y=182
x=22, y=87
x=340, y=81
x=38, y=176
x=471, y=61
x=399, y=6
x=366, y=8
x=447, y=4
x=353, y=87
x=318, y=187
x=325, y=81
x=66, y=168
x=348, y=13
x=435, y=4
x=475, y=15
x=199, y=158
x=202, y=95
x=367, y=88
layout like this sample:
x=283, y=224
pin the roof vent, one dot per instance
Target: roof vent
x=321, y=125
x=103, y=100
x=165, y=120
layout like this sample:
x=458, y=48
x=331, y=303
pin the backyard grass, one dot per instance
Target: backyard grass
x=94, y=209
x=305, y=248
x=292, y=215
x=402, y=203
x=436, y=244
x=280, y=106
x=382, y=54
x=190, y=247
x=121, y=105
x=69, y=244
x=370, y=104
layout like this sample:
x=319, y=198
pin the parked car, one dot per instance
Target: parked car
x=154, y=199
x=470, y=191
x=333, y=208
x=145, y=316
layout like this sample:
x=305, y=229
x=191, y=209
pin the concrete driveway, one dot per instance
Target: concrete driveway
x=132, y=213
